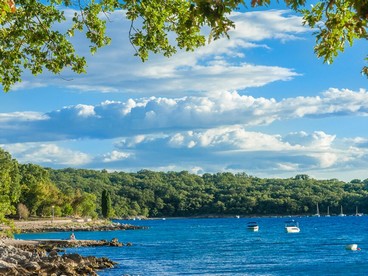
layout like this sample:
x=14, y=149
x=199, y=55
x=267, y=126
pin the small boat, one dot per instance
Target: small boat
x=356, y=212
x=341, y=213
x=292, y=226
x=352, y=247
x=253, y=226
x=328, y=211
x=317, y=213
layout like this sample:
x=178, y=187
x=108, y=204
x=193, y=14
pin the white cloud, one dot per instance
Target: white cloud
x=261, y=25
x=28, y=85
x=206, y=134
x=318, y=139
x=112, y=119
x=21, y=117
x=115, y=156
x=46, y=154
x=115, y=69
x=236, y=149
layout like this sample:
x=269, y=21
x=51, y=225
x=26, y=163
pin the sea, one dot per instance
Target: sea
x=223, y=246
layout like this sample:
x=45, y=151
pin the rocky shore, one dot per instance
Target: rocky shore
x=72, y=225
x=21, y=257
x=47, y=257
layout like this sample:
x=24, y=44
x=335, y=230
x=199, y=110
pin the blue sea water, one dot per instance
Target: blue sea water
x=223, y=246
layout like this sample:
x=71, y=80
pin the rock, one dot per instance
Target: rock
x=32, y=266
x=74, y=257
x=34, y=261
x=115, y=242
x=53, y=254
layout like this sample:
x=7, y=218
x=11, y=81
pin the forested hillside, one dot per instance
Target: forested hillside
x=152, y=194
x=28, y=189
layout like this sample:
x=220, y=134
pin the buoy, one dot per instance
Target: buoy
x=352, y=247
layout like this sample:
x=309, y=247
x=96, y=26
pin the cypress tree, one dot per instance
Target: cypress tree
x=106, y=204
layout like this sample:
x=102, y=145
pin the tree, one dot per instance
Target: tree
x=9, y=184
x=38, y=192
x=106, y=208
x=23, y=211
x=28, y=40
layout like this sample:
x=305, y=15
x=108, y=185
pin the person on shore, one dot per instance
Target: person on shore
x=72, y=237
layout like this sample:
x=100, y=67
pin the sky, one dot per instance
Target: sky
x=260, y=102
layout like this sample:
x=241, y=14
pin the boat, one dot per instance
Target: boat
x=317, y=213
x=253, y=226
x=352, y=247
x=341, y=213
x=292, y=226
x=328, y=211
x=357, y=213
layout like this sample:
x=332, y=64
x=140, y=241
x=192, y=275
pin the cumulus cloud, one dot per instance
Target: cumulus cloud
x=242, y=150
x=112, y=119
x=115, y=156
x=213, y=150
x=47, y=154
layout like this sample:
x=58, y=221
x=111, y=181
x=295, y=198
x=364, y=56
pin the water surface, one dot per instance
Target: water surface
x=224, y=247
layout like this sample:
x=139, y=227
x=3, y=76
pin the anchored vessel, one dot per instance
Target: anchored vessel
x=292, y=226
x=253, y=226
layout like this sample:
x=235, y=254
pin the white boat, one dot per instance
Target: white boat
x=252, y=226
x=352, y=247
x=341, y=213
x=292, y=226
x=328, y=211
x=317, y=213
x=356, y=212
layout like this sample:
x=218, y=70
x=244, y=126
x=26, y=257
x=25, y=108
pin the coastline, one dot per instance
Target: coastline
x=67, y=225
x=47, y=257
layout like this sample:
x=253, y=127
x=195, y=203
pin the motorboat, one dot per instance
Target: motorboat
x=253, y=226
x=292, y=226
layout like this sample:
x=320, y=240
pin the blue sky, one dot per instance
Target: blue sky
x=259, y=103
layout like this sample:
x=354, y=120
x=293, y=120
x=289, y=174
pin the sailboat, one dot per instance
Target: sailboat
x=317, y=214
x=356, y=212
x=328, y=211
x=341, y=213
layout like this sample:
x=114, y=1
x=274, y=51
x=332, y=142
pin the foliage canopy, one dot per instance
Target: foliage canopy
x=30, y=41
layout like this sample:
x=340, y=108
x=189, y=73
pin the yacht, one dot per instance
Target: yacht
x=317, y=213
x=328, y=211
x=356, y=212
x=341, y=213
x=292, y=226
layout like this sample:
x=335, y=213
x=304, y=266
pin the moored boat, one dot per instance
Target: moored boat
x=328, y=211
x=292, y=226
x=341, y=213
x=253, y=226
x=357, y=213
x=317, y=213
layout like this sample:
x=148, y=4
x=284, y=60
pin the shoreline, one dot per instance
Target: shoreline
x=43, y=257
x=47, y=256
x=69, y=225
